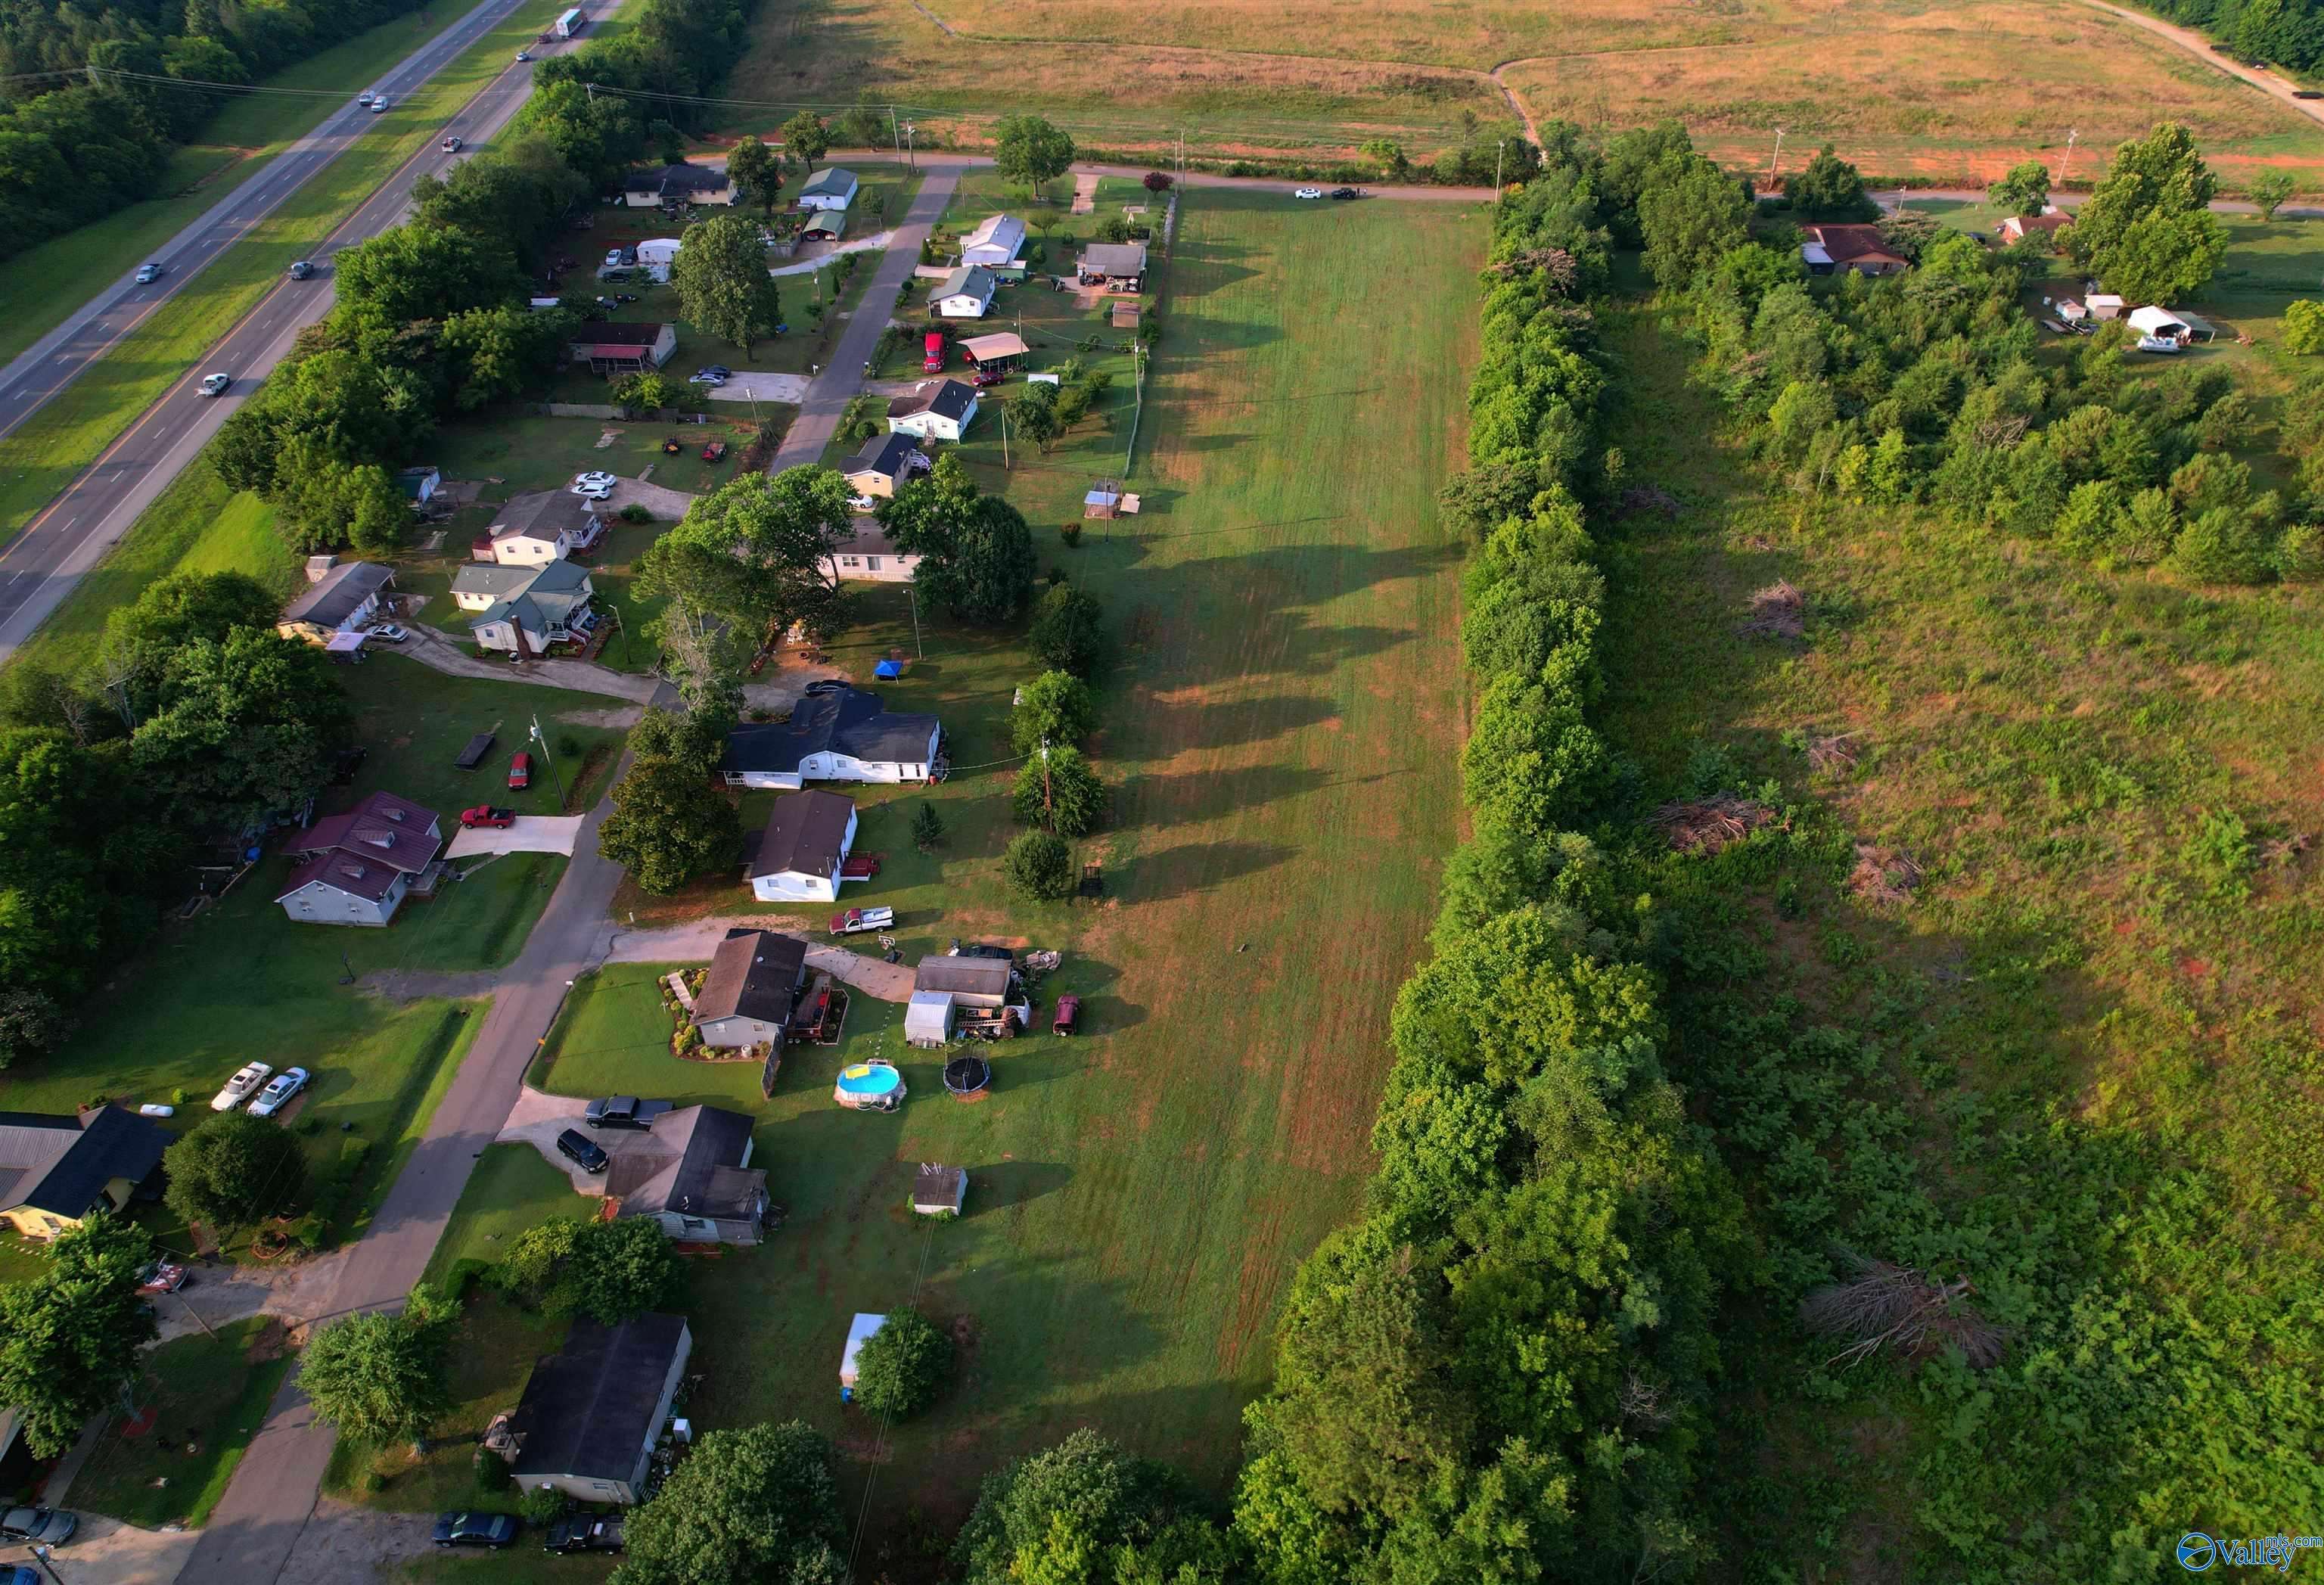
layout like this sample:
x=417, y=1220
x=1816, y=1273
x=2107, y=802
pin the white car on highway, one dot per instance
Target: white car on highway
x=215, y=384
x=238, y=1088
x=277, y=1095
x=150, y=272
x=379, y=105
x=595, y=486
x=1309, y=192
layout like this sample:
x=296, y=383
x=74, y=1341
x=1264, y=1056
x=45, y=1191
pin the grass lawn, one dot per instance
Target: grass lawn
x=415, y=721
x=514, y=456
x=1287, y=680
x=211, y=1394
x=47, y=282
x=48, y=450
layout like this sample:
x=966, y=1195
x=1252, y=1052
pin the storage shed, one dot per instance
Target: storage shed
x=939, y=1189
x=928, y=1018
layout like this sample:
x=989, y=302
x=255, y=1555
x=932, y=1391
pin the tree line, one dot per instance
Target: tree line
x=76, y=154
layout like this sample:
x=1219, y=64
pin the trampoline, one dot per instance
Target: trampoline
x=868, y=1086
x=967, y=1075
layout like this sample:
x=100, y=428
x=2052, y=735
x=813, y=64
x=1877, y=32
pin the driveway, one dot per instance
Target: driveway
x=694, y=942
x=668, y=505
x=538, y=1118
x=435, y=651
x=117, y=1554
x=862, y=244
x=531, y=834
x=216, y=1294
x=759, y=385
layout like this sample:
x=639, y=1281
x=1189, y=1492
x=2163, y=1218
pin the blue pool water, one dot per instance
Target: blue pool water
x=864, y=1079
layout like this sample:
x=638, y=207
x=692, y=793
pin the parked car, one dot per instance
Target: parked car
x=612, y=258
x=238, y=1088
x=487, y=815
x=985, y=377
x=855, y=921
x=629, y=258
x=301, y=270
x=859, y=866
x=2158, y=344
x=581, y=1151
x=21, y=1574
x=625, y=1112
x=595, y=485
x=452, y=145
x=215, y=384
x=49, y=1527
x=388, y=632
x=1308, y=192
x=493, y=1530
x=1347, y=192
x=625, y=296
x=861, y=504
x=277, y=1093
x=583, y=1532
x=149, y=272
x=827, y=685
x=160, y=1276
x=520, y=773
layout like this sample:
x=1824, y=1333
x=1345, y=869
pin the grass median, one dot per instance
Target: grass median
x=50, y=449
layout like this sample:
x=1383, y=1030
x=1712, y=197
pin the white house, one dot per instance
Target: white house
x=936, y=410
x=997, y=242
x=632, y=348
x=523, y=610
x=886, y=462
x=828, y=188
x=966, y=293
x=804, y=843
x=869, y=557
x=357, y=868
x=746, y=997
x=532, y=530
x=843, y=736
x=338, y=600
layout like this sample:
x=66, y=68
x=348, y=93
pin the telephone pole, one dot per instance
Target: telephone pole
x=2067, y=158
x=1778, y=158
x=554, y=776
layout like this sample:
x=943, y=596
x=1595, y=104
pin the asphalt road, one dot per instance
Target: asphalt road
x=39, y=567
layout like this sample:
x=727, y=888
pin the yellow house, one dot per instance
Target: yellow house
x=55, y=1170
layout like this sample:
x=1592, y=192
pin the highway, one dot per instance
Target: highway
x=39, y=566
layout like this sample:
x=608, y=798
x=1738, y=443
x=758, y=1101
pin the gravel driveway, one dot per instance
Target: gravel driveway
x=757, y=385
x=696, y=941
x=667, y=504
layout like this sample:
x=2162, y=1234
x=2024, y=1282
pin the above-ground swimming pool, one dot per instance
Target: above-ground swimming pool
x=869, y=1084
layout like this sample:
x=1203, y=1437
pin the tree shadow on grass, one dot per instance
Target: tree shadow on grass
x=1187, y=869
x=1160, y=801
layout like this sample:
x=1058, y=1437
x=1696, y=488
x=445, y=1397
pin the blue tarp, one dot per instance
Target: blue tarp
x=888, y=670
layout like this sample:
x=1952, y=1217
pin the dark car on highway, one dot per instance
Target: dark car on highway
x=493, y=1530
x=581, y=1151
x=1347, y=192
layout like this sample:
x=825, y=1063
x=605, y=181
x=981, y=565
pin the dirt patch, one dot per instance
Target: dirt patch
x=614, y=718
x=272, y=1341
x=1779, y=611
x=1884, y=875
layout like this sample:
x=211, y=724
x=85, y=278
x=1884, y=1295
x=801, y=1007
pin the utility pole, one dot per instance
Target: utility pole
x=1778, y=158
x=542, y=739
x=912, y=590
x=2067, y=158
x=1004, y=435
x=1500, y=149
x=911, y=149
x=41, y=1553
x=1045, y=773
x=897, y=131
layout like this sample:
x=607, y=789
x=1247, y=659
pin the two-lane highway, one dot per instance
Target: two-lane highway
x=39, y=566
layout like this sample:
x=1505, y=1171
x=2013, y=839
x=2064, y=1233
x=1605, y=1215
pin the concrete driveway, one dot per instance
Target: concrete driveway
x=754, y=385
x=117, y=1554
x=531, y=834
x=538, y=1118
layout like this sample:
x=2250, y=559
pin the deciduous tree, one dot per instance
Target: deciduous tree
x=1691, y=214
x=2025, y=191
x=248, y=724
x=1068, y=630
x=69, y=1337
x=378, y=1378
x=1057, y=791
x=1055, y=707
x=805, y=138
x=2146, y=228
x=669, y=825
x=232, y=1169
x=761, y=552
x=1030, y=152
x=2270, y=190
x=756, y=169
x=722, y=282
x=1039, y=866
x=760, y=1504
x=976, y=551
x=903, y=1365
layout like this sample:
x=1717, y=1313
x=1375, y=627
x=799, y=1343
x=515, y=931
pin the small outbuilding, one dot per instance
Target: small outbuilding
x=936, y=1190
x=614, y=350
x=829, y=188
x=928, y=1018
x=828, y=225
x=2160, y=323
x=998, y=353
x=1120, y=266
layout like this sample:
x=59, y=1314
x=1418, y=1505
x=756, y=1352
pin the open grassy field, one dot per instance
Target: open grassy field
x=1279, y=723
x=210, y=1393
x=1953, y=91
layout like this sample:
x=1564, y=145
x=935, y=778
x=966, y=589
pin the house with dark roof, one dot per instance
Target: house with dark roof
x=746, y=998
x=842, y=736
x=964, y=294
x=1120, y=266
x=592, y=1411
x=693, y=1176
x=548, y=525
x=342, y=600
x=936, y=410
x=357, y=868
x=1861, y=248
x=829, y=188
x=806, y=841
x=524, y=610
x=886, y=462
x=677, y=184
x=614, y=350
x=56, y=1171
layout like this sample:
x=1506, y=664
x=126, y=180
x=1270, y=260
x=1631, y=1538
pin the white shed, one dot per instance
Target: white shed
x=858, y=1332
x=2162, y=322
x=928, y=1018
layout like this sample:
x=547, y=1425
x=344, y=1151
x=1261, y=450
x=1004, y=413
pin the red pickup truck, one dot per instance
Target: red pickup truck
x=487, y=815
x=859, y=866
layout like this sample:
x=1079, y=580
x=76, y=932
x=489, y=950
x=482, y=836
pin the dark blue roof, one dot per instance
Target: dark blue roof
x=851, y=722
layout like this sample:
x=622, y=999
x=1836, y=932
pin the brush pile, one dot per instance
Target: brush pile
x=1884, y=1305
x=1883, y=875
x=1706, y=825
x=1779, y=611
x=1835, y=755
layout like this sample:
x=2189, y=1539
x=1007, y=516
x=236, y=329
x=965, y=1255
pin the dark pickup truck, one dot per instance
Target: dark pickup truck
x=584, y=1534
x=624, y=1112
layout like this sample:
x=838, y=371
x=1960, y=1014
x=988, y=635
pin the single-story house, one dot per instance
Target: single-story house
x=2043, y=226
x=345, y=598
x=1858, y=247
x=524, y=610
x=1121, y=265
x=692, y=1175
x=680, y=183
x=828, y=225
x=964, y=294
x=419, y=484
x=885, y=463
x=746, y=998
x=871, y=557
x=55, y=1171
x=828, y=188
x=614, y=350
x=999, y=240
x=843, y=736
x=356, y=868
x=939, y=1189
x=936, y=410
x=806, y=841
x=999, y=351
x=592, y=1411
x=2161, y=323
x=531, y=529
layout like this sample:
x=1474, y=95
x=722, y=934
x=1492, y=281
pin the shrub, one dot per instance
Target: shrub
x=1061, y=794
x=543, y=1506
x=1067, y=632
x=492, y=1473
x=2303, y=326
x=1055, y=707
x=1070, y=533
x=927, y=828
x=635, y=514
x=1040, y=866
x=903, y=1365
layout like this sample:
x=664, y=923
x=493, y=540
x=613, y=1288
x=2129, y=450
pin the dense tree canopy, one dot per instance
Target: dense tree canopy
x=976, y=553
x=2146, y=229
x=755, y=1506
x=722, y=281
x=248, y=725
x=69, y=1337
x=377, y=1377
x=232, y=1169
x=669, y=826
x=1028, y=150
x=761, y=553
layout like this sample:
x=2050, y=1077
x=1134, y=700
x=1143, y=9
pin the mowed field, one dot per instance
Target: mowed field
x=1280, y=726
